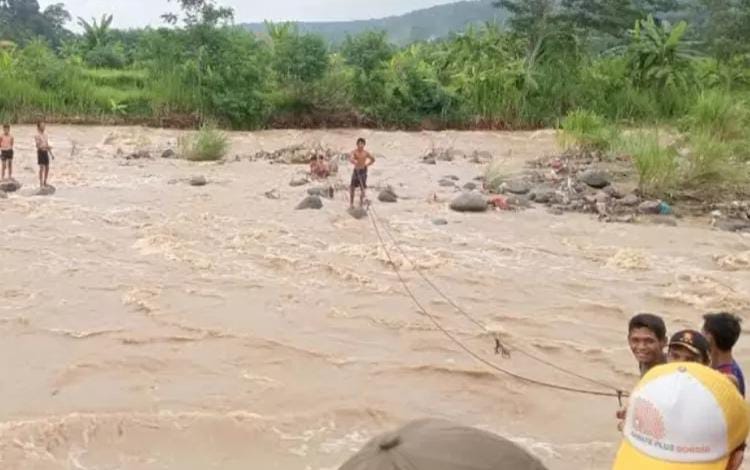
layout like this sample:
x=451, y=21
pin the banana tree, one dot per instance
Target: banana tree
x=96, y=33
x=658, y=55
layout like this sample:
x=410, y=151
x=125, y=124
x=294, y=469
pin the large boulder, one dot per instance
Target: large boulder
x=310, y=202
x=198, y=180
x=357, y=212
x=321, y=191
x=469, y=202
x=9, y=185
x=543, y=194
x=595, y=178
x=299, y=181
x=733, y=225
x=470, y=186
x=48, y=190
x=630, y=200
x=517, y=186
x=388, y=195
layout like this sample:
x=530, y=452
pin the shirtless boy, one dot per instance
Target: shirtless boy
x=6, y=151
x=362, y=160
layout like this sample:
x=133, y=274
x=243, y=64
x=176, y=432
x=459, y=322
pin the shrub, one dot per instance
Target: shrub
x=711, y=162
x=656, y=164
x=208, y=144
x=586, y=131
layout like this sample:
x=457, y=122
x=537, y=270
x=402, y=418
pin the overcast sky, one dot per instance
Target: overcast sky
x=130, y=13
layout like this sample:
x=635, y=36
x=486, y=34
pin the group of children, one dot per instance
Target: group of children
x=43, y=153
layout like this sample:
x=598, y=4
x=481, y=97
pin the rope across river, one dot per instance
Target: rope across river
x=377, y=224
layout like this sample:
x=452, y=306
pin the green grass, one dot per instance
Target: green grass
x=712, y=163
x=116, y=78
x=208, y=144
x=496, y=174
x=720, y=114
x=586, y=131
x=657, y=165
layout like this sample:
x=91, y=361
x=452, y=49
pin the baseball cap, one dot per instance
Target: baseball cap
x=683, y=416
x=693, y=341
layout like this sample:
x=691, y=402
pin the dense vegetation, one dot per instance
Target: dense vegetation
x=587, y=66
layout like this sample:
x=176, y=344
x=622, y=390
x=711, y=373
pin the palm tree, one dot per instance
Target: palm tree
x=96, y=34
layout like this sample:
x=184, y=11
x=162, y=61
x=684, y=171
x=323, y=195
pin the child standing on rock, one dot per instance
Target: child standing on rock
x=42, y=154
x=362, y=160
x=6, y=151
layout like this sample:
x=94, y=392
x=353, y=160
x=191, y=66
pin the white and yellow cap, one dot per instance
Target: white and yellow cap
x=683, y=416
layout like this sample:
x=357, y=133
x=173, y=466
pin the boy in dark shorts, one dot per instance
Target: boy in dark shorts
x=6, y=151
x=362, y=160
x=42, y=154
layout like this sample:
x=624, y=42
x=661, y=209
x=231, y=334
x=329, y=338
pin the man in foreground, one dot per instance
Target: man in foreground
x=722, y=330
x=647, y=337
x=684, y=416
x=362, y=160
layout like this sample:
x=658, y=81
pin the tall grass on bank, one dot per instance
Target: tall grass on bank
x=208, y=144
x=657, y=165
x=496, y=173
x=586, y=131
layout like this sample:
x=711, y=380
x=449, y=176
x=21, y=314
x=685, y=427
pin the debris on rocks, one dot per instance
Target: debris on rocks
x=297, y=154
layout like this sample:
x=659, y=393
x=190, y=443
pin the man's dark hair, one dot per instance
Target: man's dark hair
x=650, y=321
x=725, y=329
x=361, y=140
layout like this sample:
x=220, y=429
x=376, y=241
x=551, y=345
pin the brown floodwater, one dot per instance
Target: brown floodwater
x=149, y=324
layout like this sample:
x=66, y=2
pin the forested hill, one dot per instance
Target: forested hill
x=419, y=25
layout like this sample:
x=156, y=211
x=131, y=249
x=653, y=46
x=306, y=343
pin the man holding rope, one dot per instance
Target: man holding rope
x=362, y=160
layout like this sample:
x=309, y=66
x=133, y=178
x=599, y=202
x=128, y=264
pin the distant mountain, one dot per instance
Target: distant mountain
x=419, y=25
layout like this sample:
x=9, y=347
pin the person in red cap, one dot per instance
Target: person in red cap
x=689, y=346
